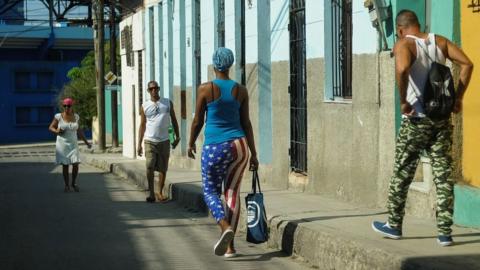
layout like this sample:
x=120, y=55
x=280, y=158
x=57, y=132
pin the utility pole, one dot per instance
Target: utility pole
x=99, y=40
x=219, y=21
x=50, y=14
x=240, y=41
x=113, y=68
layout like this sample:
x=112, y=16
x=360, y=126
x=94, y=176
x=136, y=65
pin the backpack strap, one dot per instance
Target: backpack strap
x=426, y=50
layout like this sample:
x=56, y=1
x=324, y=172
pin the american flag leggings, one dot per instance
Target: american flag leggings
x=224, y=163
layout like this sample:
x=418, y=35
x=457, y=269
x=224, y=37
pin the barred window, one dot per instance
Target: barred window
x=340, y=37
x=126, y=43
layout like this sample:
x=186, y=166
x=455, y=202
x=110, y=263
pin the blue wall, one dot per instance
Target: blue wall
x=28, y=92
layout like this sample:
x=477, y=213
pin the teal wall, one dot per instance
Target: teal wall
x=418, y=6
x=445, y=19
x=108, y=114
x=466, y=208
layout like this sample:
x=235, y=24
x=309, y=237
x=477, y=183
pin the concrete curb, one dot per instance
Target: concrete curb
x=327, y=250
x=26, y=145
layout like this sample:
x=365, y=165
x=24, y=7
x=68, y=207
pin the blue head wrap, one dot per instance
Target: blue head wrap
x=222, y=59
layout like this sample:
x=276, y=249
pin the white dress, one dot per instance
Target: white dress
x=67, y=146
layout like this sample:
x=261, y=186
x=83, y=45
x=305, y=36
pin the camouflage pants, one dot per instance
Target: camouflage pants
x=435, y=137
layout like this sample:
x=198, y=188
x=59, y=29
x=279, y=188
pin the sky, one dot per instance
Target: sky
x=37, y=13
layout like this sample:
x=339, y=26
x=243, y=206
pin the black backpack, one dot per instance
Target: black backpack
x=439, y=91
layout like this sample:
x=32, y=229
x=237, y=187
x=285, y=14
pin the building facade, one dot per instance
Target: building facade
x=319, y=75
x=33, y=68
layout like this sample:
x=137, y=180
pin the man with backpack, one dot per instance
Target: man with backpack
x=427, y=100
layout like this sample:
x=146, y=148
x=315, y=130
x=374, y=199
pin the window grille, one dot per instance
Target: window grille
x=342, y=48
x=140, y=79
x=298, y=88
x=126, y=43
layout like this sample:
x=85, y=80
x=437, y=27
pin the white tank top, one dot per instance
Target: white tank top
x=158, y=119
x=419, y=70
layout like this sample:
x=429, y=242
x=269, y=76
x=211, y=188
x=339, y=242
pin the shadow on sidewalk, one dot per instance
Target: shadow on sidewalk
x=259, y=257
x=455, y=237
x=443, y=262
x=319, y=218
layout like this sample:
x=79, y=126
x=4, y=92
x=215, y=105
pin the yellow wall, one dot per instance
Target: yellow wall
x=471, y=114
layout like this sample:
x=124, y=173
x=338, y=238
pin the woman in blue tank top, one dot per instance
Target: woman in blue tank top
x=222, y=105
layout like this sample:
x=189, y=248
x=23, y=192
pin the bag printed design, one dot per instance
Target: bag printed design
x=253, y=214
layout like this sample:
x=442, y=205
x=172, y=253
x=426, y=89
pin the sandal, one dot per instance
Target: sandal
x=76, y=188
x=160, y=197
x=230, y=255
x=221, y=246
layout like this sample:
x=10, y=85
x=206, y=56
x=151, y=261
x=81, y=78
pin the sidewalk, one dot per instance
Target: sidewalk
x=325, y=233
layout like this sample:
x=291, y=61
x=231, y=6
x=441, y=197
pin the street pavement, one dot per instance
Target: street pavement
x=107, y=225
x=108, y=221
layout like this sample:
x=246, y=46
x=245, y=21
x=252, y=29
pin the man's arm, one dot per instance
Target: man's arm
x=457, y=56
x=175, y=125
x=141, y=131
x=403, y=62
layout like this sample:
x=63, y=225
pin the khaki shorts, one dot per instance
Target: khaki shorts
x=157, y=155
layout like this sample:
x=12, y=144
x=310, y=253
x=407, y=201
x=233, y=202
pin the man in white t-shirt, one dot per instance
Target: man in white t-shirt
x=156, y=116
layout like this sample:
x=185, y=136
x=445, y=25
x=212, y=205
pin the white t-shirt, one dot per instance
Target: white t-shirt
x=158, y=119
x=419, y=71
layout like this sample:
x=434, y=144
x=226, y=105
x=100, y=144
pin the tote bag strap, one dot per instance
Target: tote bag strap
x=255, y=182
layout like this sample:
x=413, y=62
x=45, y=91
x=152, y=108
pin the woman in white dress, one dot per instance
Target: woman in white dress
x=65, y=126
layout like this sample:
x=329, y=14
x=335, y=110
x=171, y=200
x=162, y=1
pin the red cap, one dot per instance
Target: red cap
x=68, y=101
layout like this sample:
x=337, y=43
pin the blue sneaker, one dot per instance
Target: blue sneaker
x=385, y=229
x=445, y=240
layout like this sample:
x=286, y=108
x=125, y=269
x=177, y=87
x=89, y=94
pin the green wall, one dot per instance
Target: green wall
x=445, y=19
x=467, y=201
x=418, y=6
x=108, y=114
